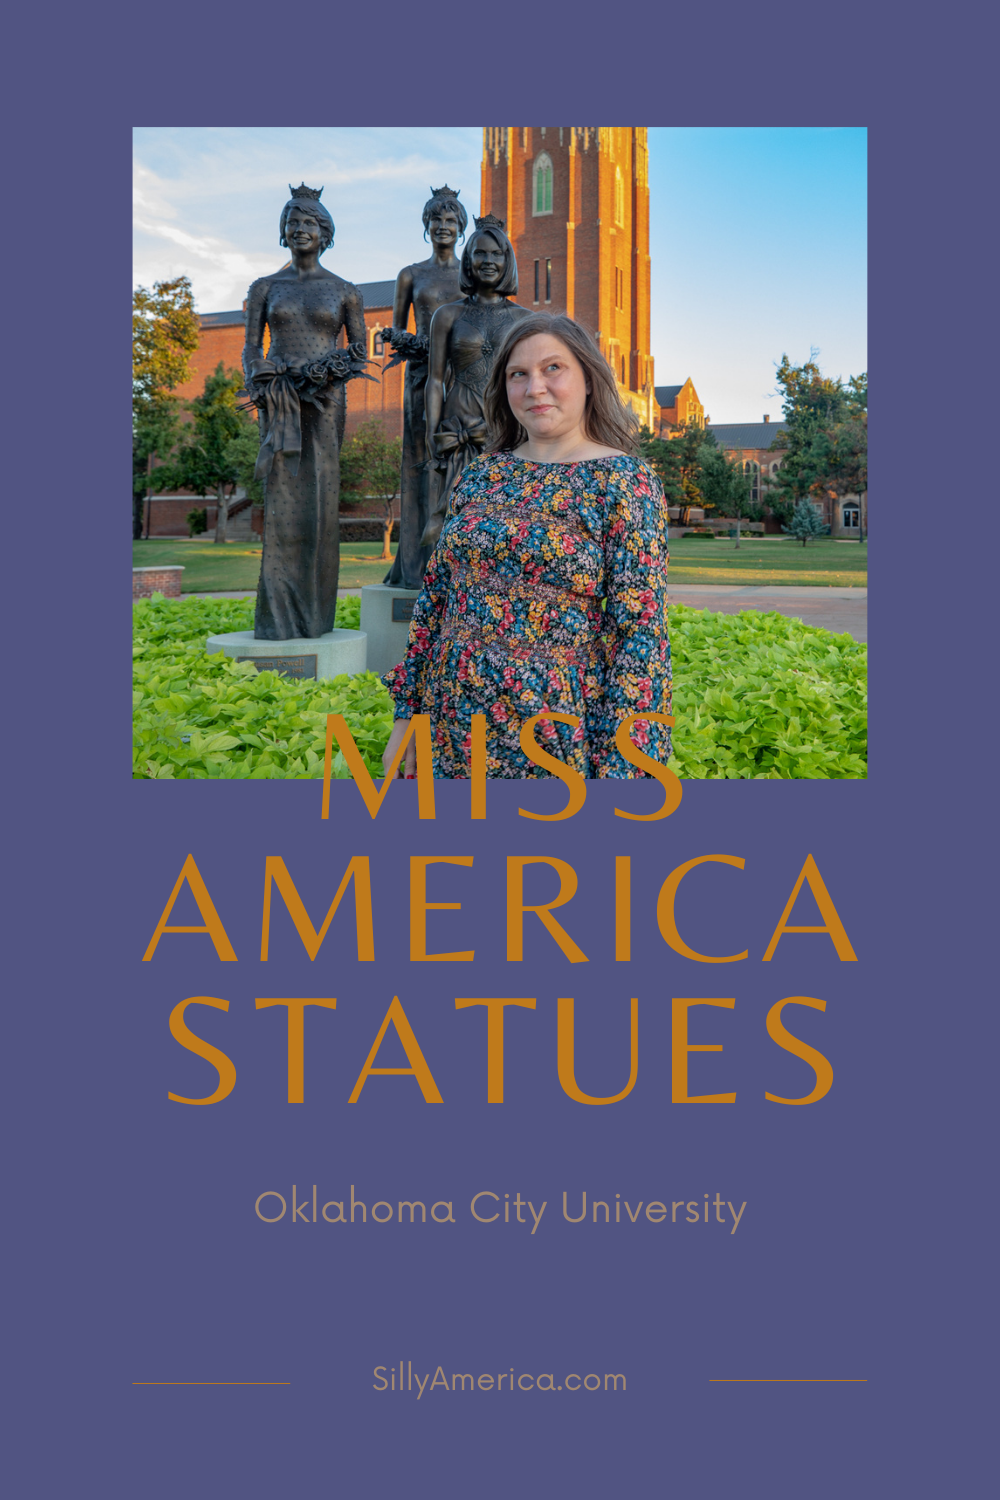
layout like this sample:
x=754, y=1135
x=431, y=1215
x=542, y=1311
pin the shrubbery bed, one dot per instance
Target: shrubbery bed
x=755, y=695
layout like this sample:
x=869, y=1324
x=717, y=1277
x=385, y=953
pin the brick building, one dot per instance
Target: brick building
x=751, y=443
x=679, y=406
x=575, y=199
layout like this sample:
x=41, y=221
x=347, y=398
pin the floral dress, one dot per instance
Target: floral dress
x=547, y=591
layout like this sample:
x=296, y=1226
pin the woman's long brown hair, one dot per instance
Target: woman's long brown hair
x=606, y=418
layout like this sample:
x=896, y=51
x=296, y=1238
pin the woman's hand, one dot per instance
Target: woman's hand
x=408, y=765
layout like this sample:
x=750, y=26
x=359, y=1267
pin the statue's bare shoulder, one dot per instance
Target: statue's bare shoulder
x=448, y=313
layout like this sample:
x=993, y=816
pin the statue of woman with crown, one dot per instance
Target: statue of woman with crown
x=464, y=337
x=299, y=392
x=422, y=287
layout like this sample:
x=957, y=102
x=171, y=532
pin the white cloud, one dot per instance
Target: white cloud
x=207, y=202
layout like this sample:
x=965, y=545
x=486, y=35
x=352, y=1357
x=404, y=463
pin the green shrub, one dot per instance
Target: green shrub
x=197, y=521
x=755, y=696
x=198, y=716
x=761, y=695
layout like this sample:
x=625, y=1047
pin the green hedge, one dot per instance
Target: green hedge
x=755, y=695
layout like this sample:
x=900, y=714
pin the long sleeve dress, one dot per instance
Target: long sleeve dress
x=547, y=591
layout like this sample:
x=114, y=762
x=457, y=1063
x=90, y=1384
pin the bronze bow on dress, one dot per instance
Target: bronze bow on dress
x=452, y=437
x=457, y=442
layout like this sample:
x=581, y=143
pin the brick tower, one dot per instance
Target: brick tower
x=576, y=202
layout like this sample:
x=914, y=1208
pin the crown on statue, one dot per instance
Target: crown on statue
x=445, y=192
x=490, y=221
x=305, y=192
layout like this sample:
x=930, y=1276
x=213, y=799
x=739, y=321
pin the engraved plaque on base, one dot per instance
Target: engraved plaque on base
x=402, y=611
x=301, y=667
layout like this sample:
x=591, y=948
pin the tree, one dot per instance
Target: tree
x=209, y=458
x=677, y=461
x=692, y=444
x=663, y=458
x=241, y=452
x=825, y=443
x=807, y=521
x=370, y=463
x=165, y=332
x=156, y=427
x=724, y=486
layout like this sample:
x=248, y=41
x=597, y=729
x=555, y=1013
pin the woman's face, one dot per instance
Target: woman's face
x=443, y=226
x=487, y=260
x=546, y=387
x=302, y=231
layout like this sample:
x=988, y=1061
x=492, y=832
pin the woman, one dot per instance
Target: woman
x=547, y=590
x=422, y=287
x=464, y=338
x=299, y=392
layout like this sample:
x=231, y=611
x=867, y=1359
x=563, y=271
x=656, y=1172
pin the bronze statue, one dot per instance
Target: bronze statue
x=299, y=394
x=423, y=286
x=464, y=337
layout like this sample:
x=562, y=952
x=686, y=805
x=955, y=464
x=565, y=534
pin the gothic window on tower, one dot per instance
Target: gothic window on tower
x=378, y=343
x=623, y=369
x=542, y=184
x=619, y=197
x=548, y=281
x=536, y=281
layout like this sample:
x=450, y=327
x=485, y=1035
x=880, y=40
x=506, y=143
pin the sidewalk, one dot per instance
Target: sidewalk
x=833, y=609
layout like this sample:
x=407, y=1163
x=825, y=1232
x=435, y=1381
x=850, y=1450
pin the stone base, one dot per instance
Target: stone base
x=385, y=618
x=325, y=656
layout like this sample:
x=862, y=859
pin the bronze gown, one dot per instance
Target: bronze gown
x=462, y=434
x=411, y=559
x=301, y=415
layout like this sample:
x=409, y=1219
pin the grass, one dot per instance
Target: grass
x=778, y=562
x=208, y=568
x=824, y=563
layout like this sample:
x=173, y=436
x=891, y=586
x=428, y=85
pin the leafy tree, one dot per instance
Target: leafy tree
x=725, y=488
x=165, y=333
x=156, y=425
x=241, y=451
x=677, y=461
x=664, y=459
x=369, y=465
x=693, y=445
x=807, y=521
x=209, y=458
x=825, y=443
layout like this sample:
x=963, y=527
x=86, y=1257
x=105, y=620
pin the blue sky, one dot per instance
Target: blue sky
x=757, y=235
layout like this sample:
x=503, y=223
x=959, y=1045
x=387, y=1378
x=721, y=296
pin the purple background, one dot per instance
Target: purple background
x=862, y=1248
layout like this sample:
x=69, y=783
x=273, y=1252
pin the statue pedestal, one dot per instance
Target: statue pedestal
x=325, y=656
x=385, y=618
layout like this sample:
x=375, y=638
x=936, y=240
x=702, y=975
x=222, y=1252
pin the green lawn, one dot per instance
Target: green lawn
x=776, y=561
x=824, y=563
x=208, y=568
